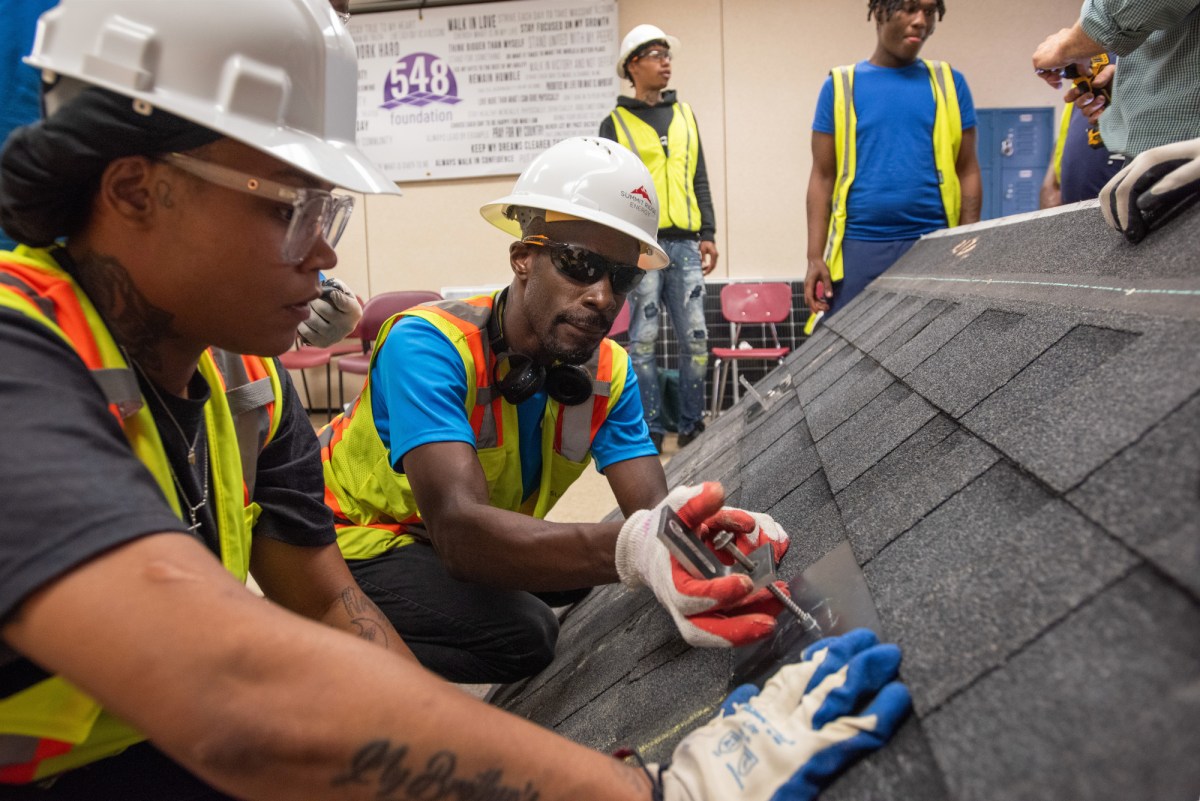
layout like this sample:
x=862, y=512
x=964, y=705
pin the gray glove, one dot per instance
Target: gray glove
x=332, y=316
x=1152, y=189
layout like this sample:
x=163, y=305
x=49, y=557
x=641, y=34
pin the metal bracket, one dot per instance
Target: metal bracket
x=702, y=562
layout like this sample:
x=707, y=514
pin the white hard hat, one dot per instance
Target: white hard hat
x=639, y=36
x=591, y=179
x=278, y=75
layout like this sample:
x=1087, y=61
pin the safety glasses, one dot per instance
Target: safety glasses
x=582, y=265
x=658, y=54
x=315, y=213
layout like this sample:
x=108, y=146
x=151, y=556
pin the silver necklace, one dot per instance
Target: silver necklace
x=192, y=511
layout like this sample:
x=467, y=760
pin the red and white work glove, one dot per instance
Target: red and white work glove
x=332, y=316
x=715, y=613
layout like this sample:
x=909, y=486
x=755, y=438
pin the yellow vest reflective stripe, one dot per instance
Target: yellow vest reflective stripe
x=673, y=170
x=373, y=505
x=51, y=726
x=1064, y=125
x=845, y=124
x=947, y=138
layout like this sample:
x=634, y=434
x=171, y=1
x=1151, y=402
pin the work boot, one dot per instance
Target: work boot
x=686, y=439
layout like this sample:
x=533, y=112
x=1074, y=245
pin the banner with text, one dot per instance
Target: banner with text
x=465, y=91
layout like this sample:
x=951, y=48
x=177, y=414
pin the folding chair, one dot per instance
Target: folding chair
x=620, y=325
x=375, y=313
x=303, y=357
x=764, y=304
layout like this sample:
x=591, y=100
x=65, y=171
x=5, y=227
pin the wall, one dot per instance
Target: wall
x=751, y=70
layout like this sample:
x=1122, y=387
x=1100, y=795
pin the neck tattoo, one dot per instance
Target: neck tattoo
x=193, y=510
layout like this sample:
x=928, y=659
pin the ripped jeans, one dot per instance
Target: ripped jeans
x=680, y=289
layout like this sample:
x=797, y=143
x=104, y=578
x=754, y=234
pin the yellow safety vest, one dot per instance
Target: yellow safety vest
x=1064, y=124
x=674, y=174
x=51, y=726
x=947, y=138
x=373, y=505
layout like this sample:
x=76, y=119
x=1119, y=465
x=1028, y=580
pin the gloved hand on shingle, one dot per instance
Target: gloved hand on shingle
x=1152, y=189
x=332, y=316
x=720, y=612
x=811, y=721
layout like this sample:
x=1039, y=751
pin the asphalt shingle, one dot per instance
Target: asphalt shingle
x=1163, y=466
x=926, y=469
x=1102, y=707
x=855, y=446
x=962, y=373
x=1004, y=428
x=979, y=578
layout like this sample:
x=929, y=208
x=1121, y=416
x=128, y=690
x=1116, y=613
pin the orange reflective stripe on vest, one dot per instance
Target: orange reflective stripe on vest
x=51, y=726
x=374, y=504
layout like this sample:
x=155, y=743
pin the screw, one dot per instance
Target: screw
x=724, y=541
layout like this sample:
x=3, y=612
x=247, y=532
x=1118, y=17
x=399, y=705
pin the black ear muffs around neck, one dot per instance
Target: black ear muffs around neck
x=518, y=377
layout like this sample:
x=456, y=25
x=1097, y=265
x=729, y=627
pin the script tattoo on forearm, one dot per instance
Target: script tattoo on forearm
x=365, y=616
x=385, y=766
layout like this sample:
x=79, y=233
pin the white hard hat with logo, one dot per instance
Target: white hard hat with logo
x=589, y=179
x=282, y=80
x=639, y=36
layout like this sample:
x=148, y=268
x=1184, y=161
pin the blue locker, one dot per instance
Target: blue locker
x=1015, y=145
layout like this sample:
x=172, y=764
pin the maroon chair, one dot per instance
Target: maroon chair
x=375, y=313
x=741, y=304
x=621, y=324
x=304, y=357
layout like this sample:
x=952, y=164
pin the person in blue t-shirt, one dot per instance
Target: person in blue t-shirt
x=906, y=164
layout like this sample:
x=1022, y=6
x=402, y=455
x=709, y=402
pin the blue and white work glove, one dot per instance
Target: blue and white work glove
x=1152, y=189
x=810, y=722
x=332, y=316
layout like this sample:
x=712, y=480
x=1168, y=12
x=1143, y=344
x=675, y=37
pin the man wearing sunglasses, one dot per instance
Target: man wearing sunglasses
x=662, y=132
x=478, y=414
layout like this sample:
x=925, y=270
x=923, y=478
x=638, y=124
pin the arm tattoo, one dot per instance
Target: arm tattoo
x=365, y=616
x=386, y=768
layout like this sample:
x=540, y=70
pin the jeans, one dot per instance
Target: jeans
x=680, y=288
x=462, y=631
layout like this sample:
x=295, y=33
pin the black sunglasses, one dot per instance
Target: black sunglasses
x=582, y=265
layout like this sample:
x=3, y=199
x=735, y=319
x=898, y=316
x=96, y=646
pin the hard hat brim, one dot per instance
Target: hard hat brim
x=653, y=256
x=672, y=42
